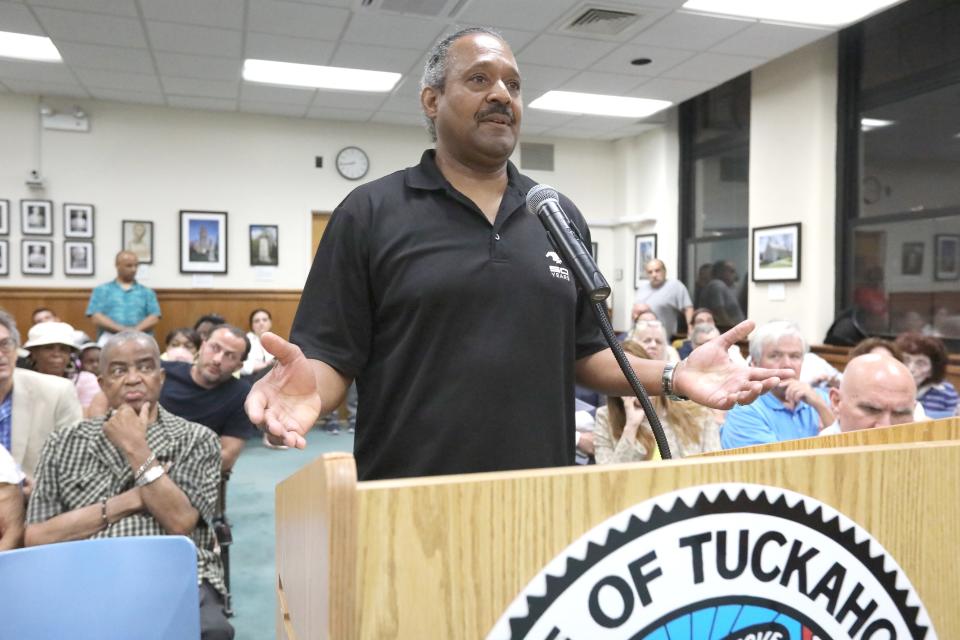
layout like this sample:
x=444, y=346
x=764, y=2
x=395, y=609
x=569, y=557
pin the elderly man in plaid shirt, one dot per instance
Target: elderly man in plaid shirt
x=139, y=471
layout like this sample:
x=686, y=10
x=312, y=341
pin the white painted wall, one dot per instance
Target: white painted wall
x=148, y=163
x=792, y=177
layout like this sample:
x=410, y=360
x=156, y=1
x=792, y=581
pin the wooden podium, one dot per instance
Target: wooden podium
x=443, y=557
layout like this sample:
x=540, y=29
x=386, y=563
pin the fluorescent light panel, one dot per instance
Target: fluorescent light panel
x=25, y=47
x=598, y=105
x=825, y=13
x=314, y=76
x=869, y=124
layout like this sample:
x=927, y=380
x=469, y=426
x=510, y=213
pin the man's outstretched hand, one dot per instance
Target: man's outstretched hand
x=286, y=401
x=709, y=377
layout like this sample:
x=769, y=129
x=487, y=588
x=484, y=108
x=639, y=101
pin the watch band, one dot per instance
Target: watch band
x=150, y=475
x=666, y=382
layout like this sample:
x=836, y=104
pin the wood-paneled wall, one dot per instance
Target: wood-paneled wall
x=180, y=307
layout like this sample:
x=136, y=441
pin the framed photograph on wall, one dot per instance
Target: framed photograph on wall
x=4, y=217
x=264, y=245
x=36, y=257
x=203, y=242
x=645, y=250
x=946, y=258
x=4, y=258
x=776, y=253
x=911, y=258
x=136, y=236
x=77, y=220
x=36, y=217
x=77, y=258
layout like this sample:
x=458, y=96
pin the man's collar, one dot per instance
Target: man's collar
x=427, y=176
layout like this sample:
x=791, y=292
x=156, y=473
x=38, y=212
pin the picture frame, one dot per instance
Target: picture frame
x=776, y=252
x=36, y=217
x=264, y=245
x=644, y=250
x=203, y=241
x=946, y=256
x=77, y=220
x=136, y=236
x=911, y=258
x=4, y=217
x=4, y=257
x=36, y=257
x=78, y=258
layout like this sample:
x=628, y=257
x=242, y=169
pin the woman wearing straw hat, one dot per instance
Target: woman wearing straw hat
x=52, y=350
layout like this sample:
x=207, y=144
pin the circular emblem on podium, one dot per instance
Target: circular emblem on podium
x=721, y=562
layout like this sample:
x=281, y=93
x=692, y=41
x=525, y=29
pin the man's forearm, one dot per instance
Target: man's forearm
x=147, y=323
x=169, y=505
x=230, y=448
x=82, y=523
x=688, y=314
x=106, y=323
x=601, y=372
x=332, y=384
x=11, y=517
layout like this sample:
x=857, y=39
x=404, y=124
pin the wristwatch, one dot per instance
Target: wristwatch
x=666, y=382
x=150, y=475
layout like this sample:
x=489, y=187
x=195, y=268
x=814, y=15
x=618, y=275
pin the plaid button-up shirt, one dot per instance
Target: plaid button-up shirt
x=79, y=466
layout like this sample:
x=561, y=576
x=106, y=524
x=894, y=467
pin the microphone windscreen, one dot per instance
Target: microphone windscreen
x=538, y=195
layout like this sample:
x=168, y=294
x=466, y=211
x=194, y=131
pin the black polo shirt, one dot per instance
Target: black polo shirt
x=462, y=335
x=220, y=408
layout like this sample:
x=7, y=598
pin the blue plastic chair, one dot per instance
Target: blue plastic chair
x=105, y=589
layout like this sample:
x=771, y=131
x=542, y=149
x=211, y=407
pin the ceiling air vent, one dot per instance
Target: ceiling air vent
x=602, y=22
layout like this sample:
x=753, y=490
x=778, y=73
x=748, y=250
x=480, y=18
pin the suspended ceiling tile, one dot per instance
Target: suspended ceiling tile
x=402, y=103
x=264, y=46
x=675, y=91
x=332, y=113
x=273, y=108
x=126, y=8
x=361, y=56
x=201, y=88
x=182, y=38
x=538, y=78
x=691, y=31
x=93, y=28
x=224, y=14
x=41, y=88
x=402, y=119
x=191, y=66
x=540, y=118
x=210, y=104
x=41, y=71
x=713, y=67
x=17, y=18
x=118, y=80
x=662, y=59
x=392, y=31
x=254, y=92
x=349, y=100
x=613, y=84
x=296, y=19
x=118, y=95
x=93, y=56
x=769, y=40
x=563, y=51
x=503, y=13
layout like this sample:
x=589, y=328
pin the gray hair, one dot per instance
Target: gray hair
x=124, y=337
x=772, y=332
x=7, y=320
x=701, y=330
x=648, y=324
x=435, y=69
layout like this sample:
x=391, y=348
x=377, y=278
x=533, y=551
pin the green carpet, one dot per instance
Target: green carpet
x=250, y=497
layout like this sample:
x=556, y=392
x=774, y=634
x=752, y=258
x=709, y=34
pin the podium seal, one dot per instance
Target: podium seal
x=721, y=562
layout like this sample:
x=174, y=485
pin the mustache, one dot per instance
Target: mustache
x=498, y=109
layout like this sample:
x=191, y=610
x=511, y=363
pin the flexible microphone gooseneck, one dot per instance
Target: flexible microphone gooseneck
x=544, y=202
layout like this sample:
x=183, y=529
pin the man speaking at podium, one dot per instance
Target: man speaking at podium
x=432, y=287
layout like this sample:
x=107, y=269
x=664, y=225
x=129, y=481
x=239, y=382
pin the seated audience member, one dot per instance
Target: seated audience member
x=926, y=358
x=32, y=404
x=11, y=502
x=878, y=346
x=700, y=316
x=181, y=345
x=90, y=358
x=205, y=324
x=789, y=411
x=704, y=333
x=652, y=336
x=876, y=391
x=142, y=471
x=622, y=432
x=207, y=393
x=583, y=436
x=52, y=350
x=259, y=359
x=123, y=304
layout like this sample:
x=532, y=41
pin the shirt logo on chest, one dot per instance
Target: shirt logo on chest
x=555, y=270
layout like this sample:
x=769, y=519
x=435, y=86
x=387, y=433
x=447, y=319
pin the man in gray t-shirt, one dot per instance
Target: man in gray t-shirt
x=665, y=298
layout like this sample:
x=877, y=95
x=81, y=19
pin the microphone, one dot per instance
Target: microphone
x=544, y=202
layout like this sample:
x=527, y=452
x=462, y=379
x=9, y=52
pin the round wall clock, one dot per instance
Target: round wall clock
x=352, y=163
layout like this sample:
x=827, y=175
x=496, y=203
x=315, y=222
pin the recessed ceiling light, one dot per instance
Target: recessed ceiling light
x=25, y=47
x=869, y=124
x=598, y=105
x=641, y=61
x=827, y=13
x=317, y=77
